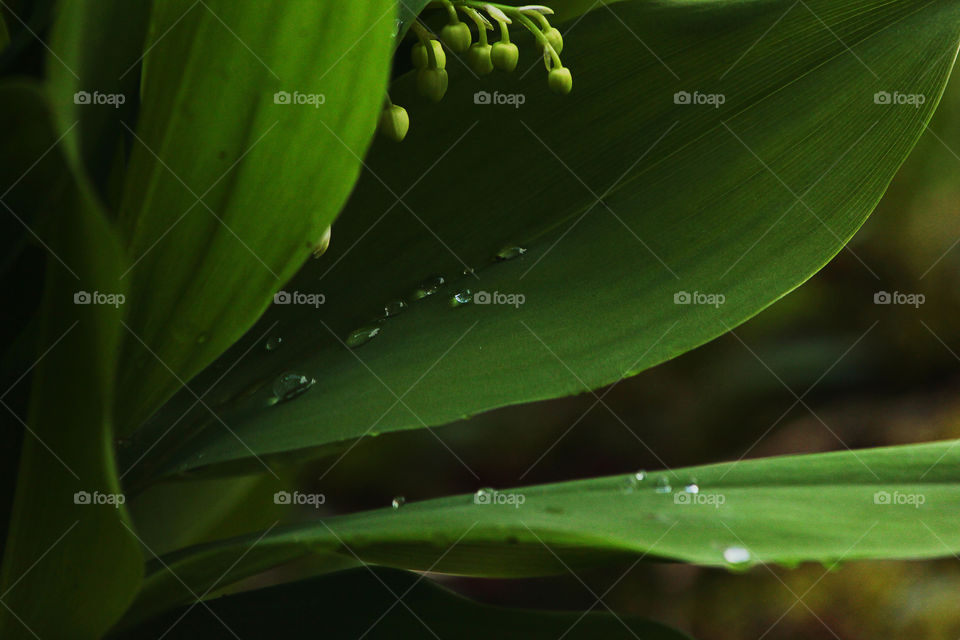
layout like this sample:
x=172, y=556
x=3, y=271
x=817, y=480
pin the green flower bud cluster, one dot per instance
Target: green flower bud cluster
x=429, y=57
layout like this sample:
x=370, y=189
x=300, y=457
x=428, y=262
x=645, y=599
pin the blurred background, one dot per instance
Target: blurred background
x=874, y=374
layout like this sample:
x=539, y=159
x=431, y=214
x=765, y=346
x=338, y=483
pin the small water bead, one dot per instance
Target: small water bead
x=633, y=481
x=663, y=485
x=483, y=495
x=272, y=344
x=736, y=555
x=509, y=253
x=394, y=308
x=462, y=297
x=362, y=336
x=290, y=385
x=427, y=288
x=468, y=271
x=398, y=502
x=692, y=487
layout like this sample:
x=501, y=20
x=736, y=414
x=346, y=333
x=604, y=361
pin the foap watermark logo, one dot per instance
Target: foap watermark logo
x=114, y=100
x=297, y=297
x=297, y=498
x=899, y=498
x=699, y=298
x=492, y=496
x=896, y=98
x=97, y=297
x=496, y=297
x=496, y=98
x=709, y=499
x=911, y=299
x=97, y=498
x=697, y=98
x=297, y=98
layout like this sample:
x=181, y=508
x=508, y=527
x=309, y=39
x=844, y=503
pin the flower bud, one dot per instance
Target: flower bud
x=554, y=38
x=394, y=122
x=478, y=57
x=505, y=56
x=457, y=36
x=421, y=57
x=432, y=83
x=560, y=80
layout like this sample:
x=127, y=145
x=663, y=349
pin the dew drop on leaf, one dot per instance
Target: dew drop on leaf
x=393, y=308
x=290, y=385
x=483, y=495
x=462, y=297
x=509, y=253
x=398, y=502
x=362, y=335
x=273, y=343
x=663, y=485
x=427, y=288
x=736, y=555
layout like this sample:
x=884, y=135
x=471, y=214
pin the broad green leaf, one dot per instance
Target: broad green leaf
x=253, y=123
x=93, y=73
x=408, y=12
x=71, y=564
x=892, y=502
x=745, y=200
x=363, y=603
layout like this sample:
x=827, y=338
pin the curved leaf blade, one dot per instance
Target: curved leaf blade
x=249, y=140
x=71, y=563
x=885, y=503
x=744, y=200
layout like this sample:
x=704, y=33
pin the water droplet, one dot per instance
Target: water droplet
x=663, y=485
x=736, y=555
x=483, y=495
x=394, y=308
x=362, y=335
x=462, y=297
x=290, y=385
x=509, y=253
x=633, y=481
x=427, y=288
x=272, y=344
x=468, y=271
x=398, y=502
x=692, y=487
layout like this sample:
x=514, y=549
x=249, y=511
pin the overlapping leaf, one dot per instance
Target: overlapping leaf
x=712, y=157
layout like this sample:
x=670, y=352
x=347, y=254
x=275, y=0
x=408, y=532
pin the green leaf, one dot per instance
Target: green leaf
x=70, y=568
x=745, y=200
x=363, y=603
x=408, y=12
x=224, y=172
x=93, y=73
x=889, y=503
